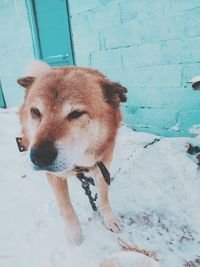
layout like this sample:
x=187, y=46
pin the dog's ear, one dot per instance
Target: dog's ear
x=26, y=82
x=114, y=92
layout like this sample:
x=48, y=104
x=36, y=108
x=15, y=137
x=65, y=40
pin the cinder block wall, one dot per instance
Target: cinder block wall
x=153, y=48
x=15, y=48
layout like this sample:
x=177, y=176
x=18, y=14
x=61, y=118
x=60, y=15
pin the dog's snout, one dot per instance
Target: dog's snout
x=43, y=155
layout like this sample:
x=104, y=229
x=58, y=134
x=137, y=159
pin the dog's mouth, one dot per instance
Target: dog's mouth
x=58, y=168
x=61, y=168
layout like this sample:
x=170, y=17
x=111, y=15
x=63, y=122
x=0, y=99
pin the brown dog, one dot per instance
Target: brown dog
x=70, y=117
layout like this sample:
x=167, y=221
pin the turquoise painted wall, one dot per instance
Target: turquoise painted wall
x=153, y=48
x=15, y=48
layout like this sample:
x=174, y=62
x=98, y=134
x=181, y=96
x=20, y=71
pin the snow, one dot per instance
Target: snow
x=155, y=191
x=195, y=130
x=175, y=127
x=194, y=79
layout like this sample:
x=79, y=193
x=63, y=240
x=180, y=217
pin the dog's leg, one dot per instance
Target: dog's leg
x=110, y=220
x=60, y=188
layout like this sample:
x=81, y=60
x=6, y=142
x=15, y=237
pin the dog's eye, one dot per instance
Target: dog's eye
x=35, y=113
x=75, y=114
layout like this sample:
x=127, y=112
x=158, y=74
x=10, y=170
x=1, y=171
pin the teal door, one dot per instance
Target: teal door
x=49, y=21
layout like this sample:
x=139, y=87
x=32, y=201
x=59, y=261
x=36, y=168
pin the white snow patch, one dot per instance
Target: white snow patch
x=194, y=79
x=155, y=191
x=195, y=130
x=175, y=128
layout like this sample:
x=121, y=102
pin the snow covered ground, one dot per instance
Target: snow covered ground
x=155, y=191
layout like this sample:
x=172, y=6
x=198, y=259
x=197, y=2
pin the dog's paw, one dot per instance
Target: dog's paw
x=111, y=222
x=75, y=234
x=109, y=263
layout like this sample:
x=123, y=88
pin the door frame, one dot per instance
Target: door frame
x=35, y=31
x=2, y=98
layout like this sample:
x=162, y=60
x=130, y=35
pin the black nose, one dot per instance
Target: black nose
x=43, y=155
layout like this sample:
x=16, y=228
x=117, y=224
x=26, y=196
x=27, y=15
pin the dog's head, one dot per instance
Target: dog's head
x=69, y=116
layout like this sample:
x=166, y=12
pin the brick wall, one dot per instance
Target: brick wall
x=153, y=48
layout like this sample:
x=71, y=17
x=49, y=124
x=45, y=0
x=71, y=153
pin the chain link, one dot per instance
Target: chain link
x=85, y=183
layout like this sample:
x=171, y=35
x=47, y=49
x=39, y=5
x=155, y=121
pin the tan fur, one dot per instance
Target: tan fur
x=55, y=92
x=128, y=247
x=120, y=258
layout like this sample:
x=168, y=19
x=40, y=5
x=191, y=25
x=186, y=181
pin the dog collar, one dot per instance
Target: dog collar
x=20, y=145
x=78, y=169
x=100, y=165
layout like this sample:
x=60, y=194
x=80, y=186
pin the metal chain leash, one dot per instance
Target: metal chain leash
x=85, y=183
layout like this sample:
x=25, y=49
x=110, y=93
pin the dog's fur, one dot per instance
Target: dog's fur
x=51, y=97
